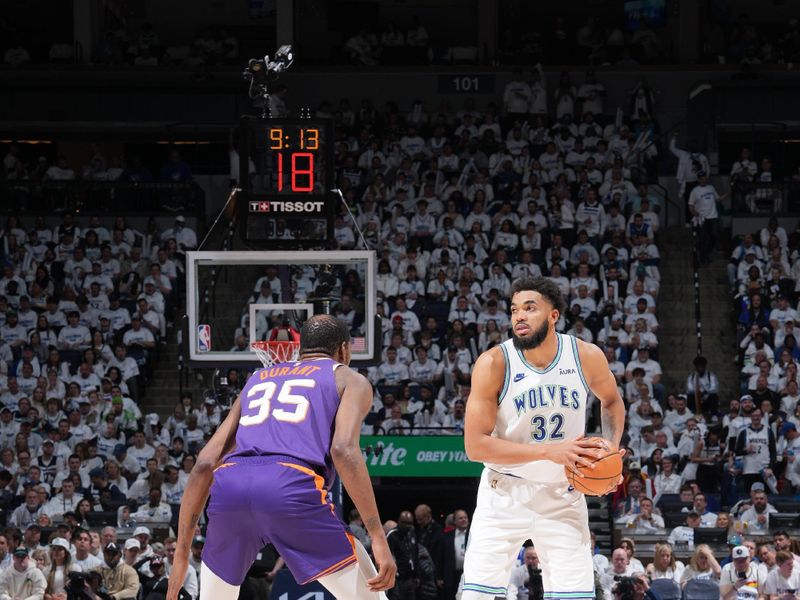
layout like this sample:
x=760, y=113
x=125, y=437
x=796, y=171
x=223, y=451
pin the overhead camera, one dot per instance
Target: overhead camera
x=260, y=72
x=284, y=58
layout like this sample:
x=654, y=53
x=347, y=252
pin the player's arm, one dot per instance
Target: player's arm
x=349, y=462
x=487, y=382
x=603, y=385
x=196, y=494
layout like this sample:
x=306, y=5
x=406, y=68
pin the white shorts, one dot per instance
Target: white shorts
x=511, y=510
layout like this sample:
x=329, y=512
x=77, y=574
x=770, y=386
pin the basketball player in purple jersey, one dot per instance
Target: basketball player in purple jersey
x=268, y=469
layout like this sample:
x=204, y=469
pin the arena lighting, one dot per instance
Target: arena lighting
x=26, y=141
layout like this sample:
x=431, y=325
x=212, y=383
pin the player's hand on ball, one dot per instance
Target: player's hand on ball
x=581, y=451
x=387, y=570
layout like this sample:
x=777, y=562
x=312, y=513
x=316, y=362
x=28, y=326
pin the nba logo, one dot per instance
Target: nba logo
x=204, y=338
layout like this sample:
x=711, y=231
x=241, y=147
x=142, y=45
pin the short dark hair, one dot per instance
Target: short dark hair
x=323, y=333
x=546, y=287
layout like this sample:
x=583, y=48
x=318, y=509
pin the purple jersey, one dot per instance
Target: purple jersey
x=289, y=409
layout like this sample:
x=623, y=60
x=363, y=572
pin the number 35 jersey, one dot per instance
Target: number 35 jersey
x=541, y=406
x=289, y=409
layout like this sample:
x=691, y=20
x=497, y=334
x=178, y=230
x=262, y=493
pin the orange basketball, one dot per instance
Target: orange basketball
x=595, y=482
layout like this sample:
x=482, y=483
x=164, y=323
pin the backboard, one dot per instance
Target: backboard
x=234, y=298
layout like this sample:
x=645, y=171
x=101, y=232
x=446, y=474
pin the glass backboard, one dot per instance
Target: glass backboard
x=234, y=298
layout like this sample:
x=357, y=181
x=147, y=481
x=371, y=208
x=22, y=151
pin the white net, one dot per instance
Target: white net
x=274, y=352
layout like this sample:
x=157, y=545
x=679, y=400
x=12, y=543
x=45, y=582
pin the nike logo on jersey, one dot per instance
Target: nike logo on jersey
x=519, y=377
x=566, y=371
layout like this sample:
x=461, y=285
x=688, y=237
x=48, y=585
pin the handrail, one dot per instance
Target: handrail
x=667, y=202
x=696, y=284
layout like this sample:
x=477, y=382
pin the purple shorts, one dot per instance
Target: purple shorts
x=276, y=500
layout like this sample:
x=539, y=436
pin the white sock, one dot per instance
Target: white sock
x=214, y=588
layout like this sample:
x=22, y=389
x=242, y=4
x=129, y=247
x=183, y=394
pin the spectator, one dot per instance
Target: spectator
x=155, y=511
x=176, y=170
x=403, y=545
x=185, y=237
x=756, y=518
x=84, y=559
x=645, y=520
x=756, y=445
x=619, y=567
x=16, y=55
x=119, y=578
x=450, y=562
x=61, y=565
x=785, y=580
x=704, y=383
x=702, y=204
x=741, y=573
x=22, y=579
x=690, y=164
x=685, y=533
x=664, y=565
x=703, y=565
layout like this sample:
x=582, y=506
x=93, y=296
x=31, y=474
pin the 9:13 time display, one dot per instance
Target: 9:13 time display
x=298, y=159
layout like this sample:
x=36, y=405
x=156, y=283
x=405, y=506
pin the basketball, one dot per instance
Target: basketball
x=595, y=482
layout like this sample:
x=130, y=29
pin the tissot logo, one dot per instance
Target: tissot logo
x=566, y=371
x=262, y=206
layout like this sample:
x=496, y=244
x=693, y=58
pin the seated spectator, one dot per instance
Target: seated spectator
x=120, y=579
x=61, y=565
x=396, y=424
x=730, y=581
x=702, y=565
x=684, y=534
x=22, y=579
x=664, y=565
x=784, y=581
x=620, y=567
x=756, y=518
x=155, y=511
x=666, y=481
x=645, y=520
x=699, y=506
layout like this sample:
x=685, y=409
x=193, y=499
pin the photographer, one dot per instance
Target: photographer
x=741, y=578
x=635, y=587
x=526, y=580
x=86, y=586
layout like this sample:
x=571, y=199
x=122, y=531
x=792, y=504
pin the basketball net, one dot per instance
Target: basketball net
x=275, y=351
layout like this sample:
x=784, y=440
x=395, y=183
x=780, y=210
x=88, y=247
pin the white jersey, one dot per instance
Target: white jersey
x=541, y=406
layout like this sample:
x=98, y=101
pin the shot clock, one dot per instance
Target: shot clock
x=286, y=199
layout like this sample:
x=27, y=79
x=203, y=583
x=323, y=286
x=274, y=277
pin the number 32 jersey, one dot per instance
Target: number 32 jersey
x=289, y=409
x=541, y=406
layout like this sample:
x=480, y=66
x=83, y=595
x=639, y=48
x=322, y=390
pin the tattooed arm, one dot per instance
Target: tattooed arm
x=603, y=385
x=196, y=494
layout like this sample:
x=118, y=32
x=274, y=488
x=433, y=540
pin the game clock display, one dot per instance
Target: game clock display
x=286, y=168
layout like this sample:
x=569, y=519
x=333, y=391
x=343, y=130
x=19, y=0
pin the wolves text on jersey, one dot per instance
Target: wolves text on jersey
x=547, y=396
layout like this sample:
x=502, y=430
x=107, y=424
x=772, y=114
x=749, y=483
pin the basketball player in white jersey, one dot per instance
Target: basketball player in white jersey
x=525, y=421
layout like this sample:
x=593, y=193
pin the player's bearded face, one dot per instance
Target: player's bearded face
x=531, y=340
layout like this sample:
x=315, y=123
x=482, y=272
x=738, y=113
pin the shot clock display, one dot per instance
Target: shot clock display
x=286, y=168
